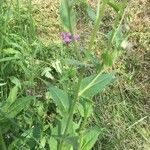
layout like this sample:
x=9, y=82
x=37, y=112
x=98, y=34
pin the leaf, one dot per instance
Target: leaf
x=16, y=81
x=52, y=143
x=47, y=73
x=116, y=6
x=91, y=85
x=60, y=98
x=11, y=98
x=72, y=140
x=118, y=37
x=15, y=108
x=85, y=108
x=57, y=66
x=58, y=130
x=64, y=15
x=90, y=137
x=36, y=132
x=107, y=59
x=90, y=12
x=12, y=95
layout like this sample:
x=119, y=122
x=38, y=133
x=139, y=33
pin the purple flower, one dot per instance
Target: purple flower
x=67, y=39
x=66, y=36
x=76, y=36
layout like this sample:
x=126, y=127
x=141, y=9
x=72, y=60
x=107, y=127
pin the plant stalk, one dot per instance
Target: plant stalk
x=76, y=96
x=100, y=12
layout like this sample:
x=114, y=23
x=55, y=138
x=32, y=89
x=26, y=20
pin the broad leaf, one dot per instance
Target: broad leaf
x=91, y=85
x=60, y=98
x=90, y=137
x=14, y=109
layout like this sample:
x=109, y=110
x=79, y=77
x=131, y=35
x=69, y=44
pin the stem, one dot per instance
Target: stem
x=76, y=96
x=71, y=30
x=100, y=11
x=73, y=106
x=117, y=25
x=82, y=127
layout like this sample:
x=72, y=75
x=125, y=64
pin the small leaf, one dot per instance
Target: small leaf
x=91, y=85
x=57, y=66
x=85, y=108
x=16, y=81
x=47, y=73
x=2, y=84
x=90, y=12
x=114, y=5
x=12, y=95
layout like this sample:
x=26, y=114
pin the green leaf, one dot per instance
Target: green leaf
x=16, y=81
x=12, y=95
x=11, y=98
x=60, y=98
x=117, y=6
x=91, y=12
x=91, y=85
x=15, y=108
x=72, y=140
x=47, y=73
x=64, y=16
x=90, y=137
x=107, y=59
x=52, y=143
x=85, y=108
x=36, y=132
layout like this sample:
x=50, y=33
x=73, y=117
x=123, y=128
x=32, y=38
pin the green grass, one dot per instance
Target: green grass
x=31, y=49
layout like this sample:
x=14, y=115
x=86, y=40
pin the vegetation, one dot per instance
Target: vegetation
x=74, y=75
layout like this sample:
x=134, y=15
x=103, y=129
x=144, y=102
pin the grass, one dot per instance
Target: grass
x=122, y=111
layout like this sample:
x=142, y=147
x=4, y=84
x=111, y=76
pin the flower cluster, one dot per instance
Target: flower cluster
x=66, y=36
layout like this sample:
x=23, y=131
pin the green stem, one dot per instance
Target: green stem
x=69, y=9
x=73, y=106
x=76, y=96
x=117, y=24
x=83, y=124
x=100, y=12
